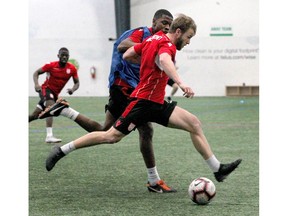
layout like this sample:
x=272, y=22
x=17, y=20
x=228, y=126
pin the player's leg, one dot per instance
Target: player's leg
x=118, y=101
x=34, y=115
x=182, y=119
x=174, y=89
x=116, y=105
x=112, y=112
x=61, y=107
x=170, y=82
x=146, y=147
x=155, y=184
x=49, y=125
x=91, y=139
x=88, y=124
x=39, y=108
x=49, y=120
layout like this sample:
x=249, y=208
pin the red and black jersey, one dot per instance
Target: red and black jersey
x=153, y=79
x=57, y=77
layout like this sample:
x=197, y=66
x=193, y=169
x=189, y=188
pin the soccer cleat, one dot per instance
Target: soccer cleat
x=55, y=109
x=160, y=187
x=52, y=139
x=169, y=99
x=226, y=169
x=55, y=155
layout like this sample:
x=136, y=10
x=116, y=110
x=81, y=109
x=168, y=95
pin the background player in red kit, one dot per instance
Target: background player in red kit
x=157, y=55
x=58, y=74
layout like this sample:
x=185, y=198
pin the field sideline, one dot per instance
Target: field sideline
x=110, y=179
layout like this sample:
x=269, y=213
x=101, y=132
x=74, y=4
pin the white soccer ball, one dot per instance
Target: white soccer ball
x=201, y=191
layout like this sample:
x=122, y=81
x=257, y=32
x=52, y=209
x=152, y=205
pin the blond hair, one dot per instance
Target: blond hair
x=184, y=23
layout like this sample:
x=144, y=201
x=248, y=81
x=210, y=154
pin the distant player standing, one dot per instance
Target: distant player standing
x=58, y=74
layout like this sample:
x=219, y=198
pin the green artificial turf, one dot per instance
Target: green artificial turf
x=110, y=179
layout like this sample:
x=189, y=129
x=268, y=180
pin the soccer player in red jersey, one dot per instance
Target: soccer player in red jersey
x=157, y=55
x=58, y=74
x=123, y=79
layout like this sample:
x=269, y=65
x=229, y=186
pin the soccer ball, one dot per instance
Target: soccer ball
x=201, y=191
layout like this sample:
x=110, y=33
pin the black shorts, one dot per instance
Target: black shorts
x=118, y=100
x=46, y=94
x=140, y=111
x=170, y=82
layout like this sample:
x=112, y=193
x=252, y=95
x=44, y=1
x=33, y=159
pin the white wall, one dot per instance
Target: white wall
x=83, y=26
x=208, y=64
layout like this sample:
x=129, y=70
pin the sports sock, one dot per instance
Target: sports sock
x=153, y=176
x=213, y=163
x=49, y=131
x=67, y=148
x=69, y=113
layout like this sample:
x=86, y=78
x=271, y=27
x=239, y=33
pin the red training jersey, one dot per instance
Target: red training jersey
x=153, y=79
x=57, y=76
x=137, y=35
